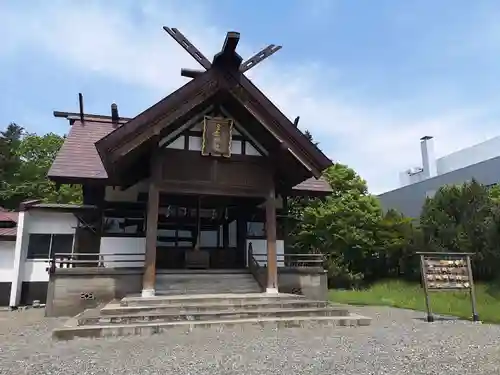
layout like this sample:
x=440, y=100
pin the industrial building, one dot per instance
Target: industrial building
x=480, y=162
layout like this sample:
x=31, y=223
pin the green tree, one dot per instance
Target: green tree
x=10, y=162
x=398, y=238
x=464, y=218
x=36, y=154
x=341, y=226
x=360, y=242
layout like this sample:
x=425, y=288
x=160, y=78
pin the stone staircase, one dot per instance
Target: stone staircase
x=139, y=316
x=205, y=282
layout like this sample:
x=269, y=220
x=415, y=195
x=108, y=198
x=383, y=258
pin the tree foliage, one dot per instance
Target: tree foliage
x=359, y=242
x=465, y=218
x=25, y=159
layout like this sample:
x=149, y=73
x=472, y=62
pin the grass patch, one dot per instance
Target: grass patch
x=411, y=296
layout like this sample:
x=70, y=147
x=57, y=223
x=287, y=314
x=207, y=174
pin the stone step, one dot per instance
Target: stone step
x=220, y=276
x=174, y=292
x=193, y=307
x=228, y=271
x=233, y=298
x=202, y=282
x=95, y=319
x=205, y=286
x=218, y=289
x=206, y=283
x=70, y=332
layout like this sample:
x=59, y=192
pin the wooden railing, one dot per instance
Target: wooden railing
x=254, y=267
x=293, y=260
x=92, y=260
x=257, y=263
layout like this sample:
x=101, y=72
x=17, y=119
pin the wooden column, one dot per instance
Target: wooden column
x=148, y=280
x=272, y=269
x=285, y=223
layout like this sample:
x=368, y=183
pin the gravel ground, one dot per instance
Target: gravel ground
x=397, y=342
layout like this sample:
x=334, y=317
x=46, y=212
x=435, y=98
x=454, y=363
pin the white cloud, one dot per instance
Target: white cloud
x=376, y=142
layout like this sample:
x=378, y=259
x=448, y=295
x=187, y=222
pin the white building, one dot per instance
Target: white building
x=480, y=162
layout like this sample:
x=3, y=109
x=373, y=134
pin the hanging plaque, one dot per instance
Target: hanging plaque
x=217, y=136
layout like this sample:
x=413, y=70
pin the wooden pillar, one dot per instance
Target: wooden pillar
x=148, y=280
x=285, y=223
x=241, y=241
x=272, y=269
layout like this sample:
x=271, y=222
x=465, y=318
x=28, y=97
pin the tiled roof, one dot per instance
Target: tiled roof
x=8, y=232
x=8, y=216
x=78, y=156
x=314, y=184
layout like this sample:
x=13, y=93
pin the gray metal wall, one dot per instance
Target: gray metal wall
x=409, y=199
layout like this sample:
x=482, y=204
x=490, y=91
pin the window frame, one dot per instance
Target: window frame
x=51, y=241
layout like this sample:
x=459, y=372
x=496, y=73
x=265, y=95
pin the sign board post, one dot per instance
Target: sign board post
x=447, y=272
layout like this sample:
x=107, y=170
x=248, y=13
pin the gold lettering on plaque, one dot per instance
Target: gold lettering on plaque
x=217, y=136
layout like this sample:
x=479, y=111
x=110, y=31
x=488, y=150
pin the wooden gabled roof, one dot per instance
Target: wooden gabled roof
x=97, y=144
x=78, y=159
x=224, y=76
x=194, y=94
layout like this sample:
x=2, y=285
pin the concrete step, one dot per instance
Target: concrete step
x=233, y=298
x=195, y=279
x=188, y=292
x=96, y=319
x=206, y=286
x=70, y=332
x=200, y=306
x=236, y=288
x=228, y=271
x=206, y=283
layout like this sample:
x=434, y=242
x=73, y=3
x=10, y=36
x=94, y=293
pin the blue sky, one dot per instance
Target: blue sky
x=368, y=78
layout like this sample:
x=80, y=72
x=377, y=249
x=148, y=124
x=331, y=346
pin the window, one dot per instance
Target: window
x=256, y=230
x=42, y=246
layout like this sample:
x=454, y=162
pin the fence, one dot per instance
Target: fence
x=90, y=260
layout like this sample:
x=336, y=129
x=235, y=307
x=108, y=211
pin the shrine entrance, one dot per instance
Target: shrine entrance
x=201, y=232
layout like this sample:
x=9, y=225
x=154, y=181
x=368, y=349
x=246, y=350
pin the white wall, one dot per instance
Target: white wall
x=260, y=247
x=21, y=248
x=36, y=270
x=7, y=249
x=470, y=155
x=123, y=245
x=51, y=222
x=43, y=222
x=195, y=145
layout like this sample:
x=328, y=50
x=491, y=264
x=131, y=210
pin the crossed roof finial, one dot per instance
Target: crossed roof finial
x=227, y=57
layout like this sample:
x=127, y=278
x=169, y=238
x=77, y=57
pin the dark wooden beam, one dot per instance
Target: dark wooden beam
x=148, y=281
x=259, y=57
x=80, y=101
x=190, y=73
x=296, y=121
x=188, y=46
x=272, y=267
x=285, y=218
x=230, y=43
x=227, y=58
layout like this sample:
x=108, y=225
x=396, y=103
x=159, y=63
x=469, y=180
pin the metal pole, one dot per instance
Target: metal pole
x=430, y=318
x=475, y=316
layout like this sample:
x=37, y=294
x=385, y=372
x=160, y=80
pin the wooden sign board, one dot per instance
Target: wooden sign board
x=447, y=272
x=217, y=136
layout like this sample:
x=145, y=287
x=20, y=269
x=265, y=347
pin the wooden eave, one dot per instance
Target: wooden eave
x=150, y=123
